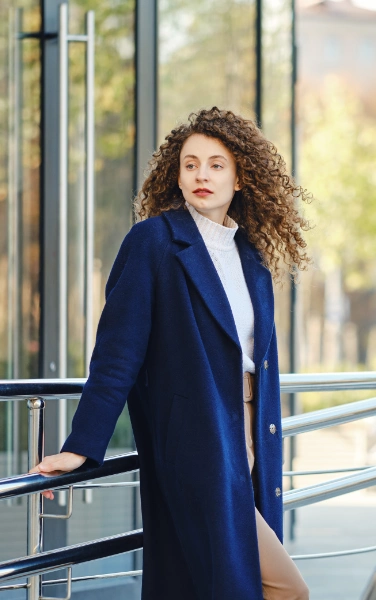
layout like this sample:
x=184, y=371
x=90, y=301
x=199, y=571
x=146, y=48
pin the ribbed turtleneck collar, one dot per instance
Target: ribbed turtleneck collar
x=220, y=237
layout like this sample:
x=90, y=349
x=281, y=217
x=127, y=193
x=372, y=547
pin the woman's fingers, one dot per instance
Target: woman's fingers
x=56, y=464
x=48, y=494
x=59, y=463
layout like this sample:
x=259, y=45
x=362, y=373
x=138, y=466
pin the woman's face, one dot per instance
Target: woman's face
x=207, y=176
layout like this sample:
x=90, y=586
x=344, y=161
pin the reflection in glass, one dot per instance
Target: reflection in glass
x=114, y=160
x=19, y=240
x=19, y=213
x=276, y=125
x=19, y=193
x=206, y=58
x=337, y=135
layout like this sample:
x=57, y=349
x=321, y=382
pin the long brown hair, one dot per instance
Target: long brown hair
x=264, y=209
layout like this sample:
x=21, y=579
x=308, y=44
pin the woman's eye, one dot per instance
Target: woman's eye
x=190, y=166
x=216, y=165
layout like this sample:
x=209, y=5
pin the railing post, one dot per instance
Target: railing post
x=34, y=503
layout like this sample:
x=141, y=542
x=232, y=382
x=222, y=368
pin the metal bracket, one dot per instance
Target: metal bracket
x=69, y=589
x=69, y=508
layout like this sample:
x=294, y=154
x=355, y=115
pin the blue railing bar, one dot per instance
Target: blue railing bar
x=334, y=554
x=329, y=489
x=139, y=572
x=64, y=557
x=19, y=389
x=71, y=555
x=327, y=417
x=325, y=382
x=23, y=485
x=53, y=389
x=320, y=472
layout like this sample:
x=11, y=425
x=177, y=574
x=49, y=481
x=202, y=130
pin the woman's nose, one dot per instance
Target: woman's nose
x=201, y=174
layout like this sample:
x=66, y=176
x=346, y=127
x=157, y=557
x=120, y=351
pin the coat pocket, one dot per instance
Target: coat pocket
x=175, y=427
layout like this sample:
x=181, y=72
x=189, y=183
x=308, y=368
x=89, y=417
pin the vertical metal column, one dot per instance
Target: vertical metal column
x=89, y=200
x=258, y=52
x=146, y=85
x=54, y=530
x=293, y=290
x=63, y=218
x=13, y=250
x=146, y=116
x=34, y=502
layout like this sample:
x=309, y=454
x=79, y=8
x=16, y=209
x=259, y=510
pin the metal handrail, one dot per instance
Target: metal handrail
x=327, y=382
x=71, y=555
x=23, y=485
x=327, y=417
x=38, y=390
x=334, y=554
x=127, y=542
x=55, y=389
x=51, y=389
x=320, y=471
x=329, y=489
x=47, y=582
x=30, y=484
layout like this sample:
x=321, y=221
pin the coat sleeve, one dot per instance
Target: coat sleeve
x=120, y=346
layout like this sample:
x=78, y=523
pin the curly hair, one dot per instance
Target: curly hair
x=265, y=207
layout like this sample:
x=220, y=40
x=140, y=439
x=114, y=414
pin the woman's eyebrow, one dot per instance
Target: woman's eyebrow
x=214, y=156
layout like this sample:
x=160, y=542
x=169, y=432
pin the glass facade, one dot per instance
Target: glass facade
x=20, y=191
x=204, y=54
x=277, y=93
x=29, y=228
x=206, y=58
x=20, y=211
x=114, y=155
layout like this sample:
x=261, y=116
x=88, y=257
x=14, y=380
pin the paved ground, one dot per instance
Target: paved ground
x=338, y=524
x=329, y=528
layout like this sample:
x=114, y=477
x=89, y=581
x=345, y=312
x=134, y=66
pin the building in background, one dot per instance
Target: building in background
x=337, y=36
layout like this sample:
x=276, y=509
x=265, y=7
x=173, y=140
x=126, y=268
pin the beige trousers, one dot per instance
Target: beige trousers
x=281, y=579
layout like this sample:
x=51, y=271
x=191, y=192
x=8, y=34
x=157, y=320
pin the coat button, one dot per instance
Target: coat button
x=278, y=492
x=272, y=428
x=266, y=364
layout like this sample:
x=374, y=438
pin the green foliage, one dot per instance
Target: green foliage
x=206, y=58
x=310, y=401
x=123, y=435
x=338, y=157
x=114, y=117
x=277, y=75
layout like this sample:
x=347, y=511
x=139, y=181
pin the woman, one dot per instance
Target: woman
x=187, y=337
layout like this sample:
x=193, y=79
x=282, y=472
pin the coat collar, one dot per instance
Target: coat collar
x=198, y=265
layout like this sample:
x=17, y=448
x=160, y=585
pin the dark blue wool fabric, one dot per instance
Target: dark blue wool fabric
x=167, y=344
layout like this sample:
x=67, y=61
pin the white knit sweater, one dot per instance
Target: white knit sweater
x=221, y=245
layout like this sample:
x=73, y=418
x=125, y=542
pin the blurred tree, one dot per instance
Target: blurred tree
x=337, y=164
x=114, y=115
x=206, y=58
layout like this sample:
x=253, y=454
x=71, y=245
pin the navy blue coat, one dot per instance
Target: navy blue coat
x=167, y=343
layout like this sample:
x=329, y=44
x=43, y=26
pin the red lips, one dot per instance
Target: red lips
x=202, y=190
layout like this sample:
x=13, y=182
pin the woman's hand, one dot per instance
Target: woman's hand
x=56, y=464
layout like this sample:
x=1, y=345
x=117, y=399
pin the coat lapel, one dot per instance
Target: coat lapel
x=259, y=283
x=198, y=265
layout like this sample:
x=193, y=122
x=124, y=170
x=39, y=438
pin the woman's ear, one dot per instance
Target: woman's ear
x=237, y=186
